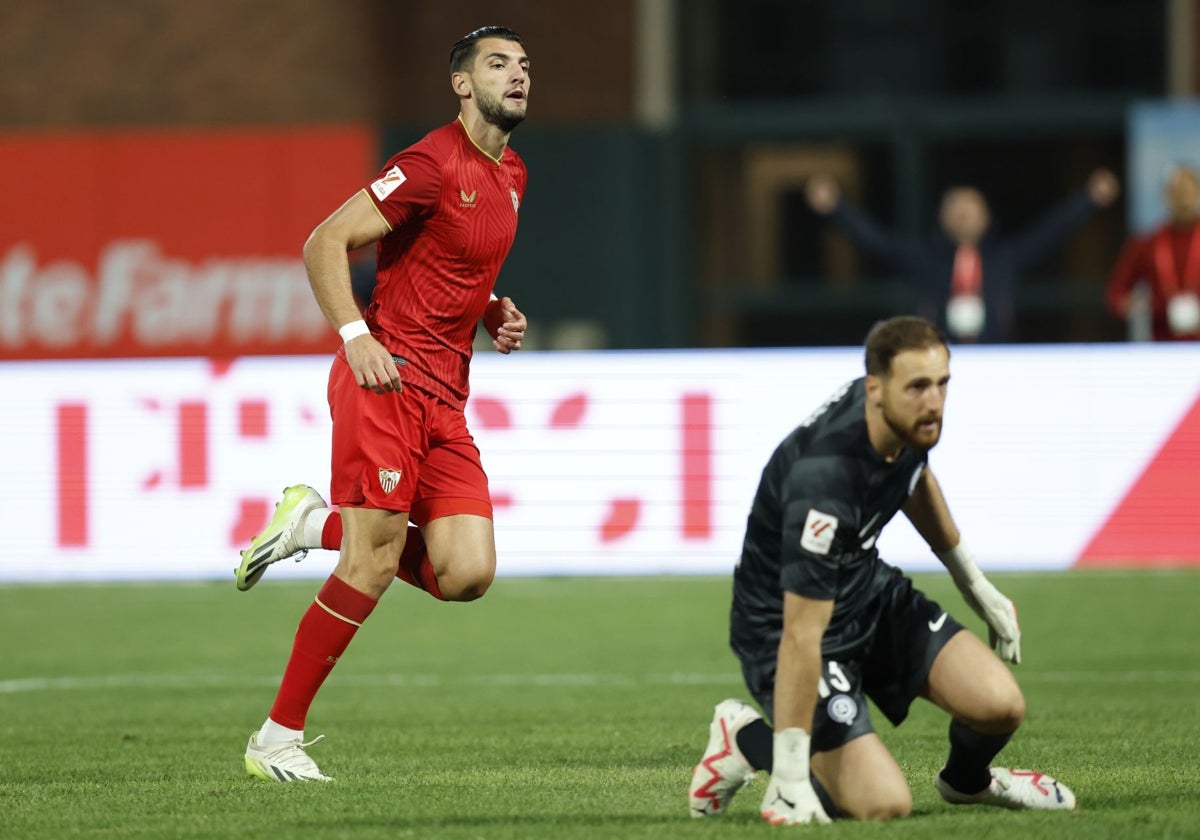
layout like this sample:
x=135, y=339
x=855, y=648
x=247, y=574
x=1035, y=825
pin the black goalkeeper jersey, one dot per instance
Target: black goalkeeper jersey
x=823, y=498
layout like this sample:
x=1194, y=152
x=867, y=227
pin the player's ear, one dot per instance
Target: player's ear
x=461, y=84
x=874, y=390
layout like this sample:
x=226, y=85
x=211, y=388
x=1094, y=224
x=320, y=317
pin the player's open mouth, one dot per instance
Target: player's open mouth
x=516, y=94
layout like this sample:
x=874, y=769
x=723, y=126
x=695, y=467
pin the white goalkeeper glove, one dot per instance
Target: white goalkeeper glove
x=1000, y=614
x=790, y=798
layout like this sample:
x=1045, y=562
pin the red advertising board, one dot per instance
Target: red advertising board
x=168, y=242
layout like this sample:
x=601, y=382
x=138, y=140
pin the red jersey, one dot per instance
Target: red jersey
x=1168, y=260
x=452, y=214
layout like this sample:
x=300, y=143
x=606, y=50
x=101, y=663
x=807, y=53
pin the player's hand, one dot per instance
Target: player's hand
x=1103, y=187
x=1000, y=614
x=791, y=803
x=373, y=366
x=823, y=194
x=790, y=798
x=505, y=324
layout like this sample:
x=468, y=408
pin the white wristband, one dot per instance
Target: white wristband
x=789, y=761
x=353, y=330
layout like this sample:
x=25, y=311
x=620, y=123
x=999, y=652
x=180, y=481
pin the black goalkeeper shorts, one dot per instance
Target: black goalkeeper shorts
x=891, y=668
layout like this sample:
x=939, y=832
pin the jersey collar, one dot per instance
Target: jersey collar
x=482, y=151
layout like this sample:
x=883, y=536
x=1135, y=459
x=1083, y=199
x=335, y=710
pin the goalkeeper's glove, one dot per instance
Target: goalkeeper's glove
x=790, y=798
x=1000, y=614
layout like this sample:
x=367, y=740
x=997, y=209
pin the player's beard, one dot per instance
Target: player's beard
x=494, y=111
x=911, y=433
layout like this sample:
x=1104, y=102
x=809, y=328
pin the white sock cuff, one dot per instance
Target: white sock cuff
x=314, y=526
x=272, y=733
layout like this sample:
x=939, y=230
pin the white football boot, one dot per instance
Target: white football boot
x=1015, y=789
x=281, y=538
x=286, y=762
x=722, y=770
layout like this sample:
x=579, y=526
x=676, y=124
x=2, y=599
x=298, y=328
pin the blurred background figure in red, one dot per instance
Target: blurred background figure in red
x=1167, y=261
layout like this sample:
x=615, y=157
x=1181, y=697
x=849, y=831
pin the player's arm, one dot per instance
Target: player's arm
x=864, y=231
x=790, y=797
x=927, y=510
x=353, y=225
x=1035, y=242
x=798, y=669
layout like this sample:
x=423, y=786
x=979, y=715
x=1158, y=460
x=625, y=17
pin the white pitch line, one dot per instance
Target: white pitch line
x=158, y=681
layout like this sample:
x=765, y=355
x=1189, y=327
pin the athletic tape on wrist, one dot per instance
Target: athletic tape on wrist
x=353, y=330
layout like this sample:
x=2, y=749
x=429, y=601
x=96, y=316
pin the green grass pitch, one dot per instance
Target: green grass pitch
x=557, y=708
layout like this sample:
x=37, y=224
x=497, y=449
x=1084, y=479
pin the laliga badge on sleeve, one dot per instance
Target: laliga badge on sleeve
x=819, y=530
x=386, y=185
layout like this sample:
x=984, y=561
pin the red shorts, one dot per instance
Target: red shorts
x=405, y=451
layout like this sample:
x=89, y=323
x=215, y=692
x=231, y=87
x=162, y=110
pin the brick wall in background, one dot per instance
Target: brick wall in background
x=220, y=62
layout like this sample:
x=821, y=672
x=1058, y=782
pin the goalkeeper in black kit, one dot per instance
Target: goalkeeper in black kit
x=820, y=623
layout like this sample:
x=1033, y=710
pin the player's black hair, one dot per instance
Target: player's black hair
x=889, y=338
x=462, y=54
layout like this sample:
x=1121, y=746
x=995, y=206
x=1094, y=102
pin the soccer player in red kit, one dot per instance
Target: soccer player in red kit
x=444, y=215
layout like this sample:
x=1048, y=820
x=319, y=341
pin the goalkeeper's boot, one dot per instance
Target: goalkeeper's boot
x=286, y=762
x=1016, y=789
x=281, y=538
x=722, y=770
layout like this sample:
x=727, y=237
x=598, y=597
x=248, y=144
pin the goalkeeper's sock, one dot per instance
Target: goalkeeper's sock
x=971, y=755
x=756, y=740
x=324, y=633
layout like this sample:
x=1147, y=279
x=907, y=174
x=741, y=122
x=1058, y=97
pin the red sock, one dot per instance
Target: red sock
x=324, y=632
x=331, y=534
x=415, y=568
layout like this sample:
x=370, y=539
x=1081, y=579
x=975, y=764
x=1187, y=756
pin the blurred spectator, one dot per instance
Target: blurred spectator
x=965, y=275
x=1167, y=260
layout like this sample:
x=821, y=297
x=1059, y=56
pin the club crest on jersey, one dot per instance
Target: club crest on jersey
x=468, y=198
x=387, y=183
x=842, y=709
x=388, y=479
x=516, y=201
x=819, y=530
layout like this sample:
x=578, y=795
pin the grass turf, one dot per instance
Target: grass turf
x=557, y=708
